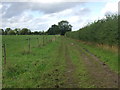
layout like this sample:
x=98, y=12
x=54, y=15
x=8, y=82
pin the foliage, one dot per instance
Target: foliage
x=53, y=30
x=104, y=31
x=61, y=28
x=64, y=27
x=7, y=30
x=1, y=31
x=11, y=32
x=25, y=31
x=18, y=31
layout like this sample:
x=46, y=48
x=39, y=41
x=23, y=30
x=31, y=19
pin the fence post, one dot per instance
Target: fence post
x=38, y=42
x=4, y=51
x=29, y=44
x=43, y=40
x=46, y=39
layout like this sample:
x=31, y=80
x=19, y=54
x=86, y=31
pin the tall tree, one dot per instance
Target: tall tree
x=7, y=30
x=25, y=31
x=11, y=32
x=54, y=29
x=1, y=32
x=17, y=31
x=64, y=27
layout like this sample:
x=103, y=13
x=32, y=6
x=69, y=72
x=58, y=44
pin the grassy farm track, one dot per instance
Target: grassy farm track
x=63, y=63
x=98, y=71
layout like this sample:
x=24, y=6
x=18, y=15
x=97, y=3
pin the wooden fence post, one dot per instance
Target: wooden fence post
x=43, y=40
x=4, y=51
x=29, y=44
x=38, y=42
x=46, y=39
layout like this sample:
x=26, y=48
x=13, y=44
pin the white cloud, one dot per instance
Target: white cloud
x=110, y=8
x=52, y=1
x=20, y=15
x=1, y=6
x=16, y=8
x=20, y=18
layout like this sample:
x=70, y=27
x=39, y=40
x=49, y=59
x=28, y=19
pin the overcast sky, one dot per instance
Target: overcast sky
x=39, y=16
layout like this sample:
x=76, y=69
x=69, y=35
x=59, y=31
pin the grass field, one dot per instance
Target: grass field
x=57, y=62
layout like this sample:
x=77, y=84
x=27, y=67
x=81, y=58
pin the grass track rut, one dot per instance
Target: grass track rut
x=100, y=73
x=70, y=70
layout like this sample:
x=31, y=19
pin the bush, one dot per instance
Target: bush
x=11, y=32
x=104, y=31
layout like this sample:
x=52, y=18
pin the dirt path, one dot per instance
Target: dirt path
x=64, y=73
x=99, y=72
x=70, y=70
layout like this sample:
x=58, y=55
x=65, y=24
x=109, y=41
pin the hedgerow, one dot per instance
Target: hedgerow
x=104, y=31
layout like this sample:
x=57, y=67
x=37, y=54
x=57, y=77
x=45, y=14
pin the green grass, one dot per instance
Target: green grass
x=110, y=58
x=107, y=56
x=85, y=80
x=45, y=66
x=26, y=70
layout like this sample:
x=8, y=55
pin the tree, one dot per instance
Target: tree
x=53, y=30
x=36, y=33
x=17, y=31
x=104, y=31
x=25, y=31
x=11, y=32
x=7, y=30
x=1, y=32
x=64, y=27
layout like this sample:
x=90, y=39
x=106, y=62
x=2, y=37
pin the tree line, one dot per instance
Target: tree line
x=62, y=27
x=18, y=31
x=104, y=31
